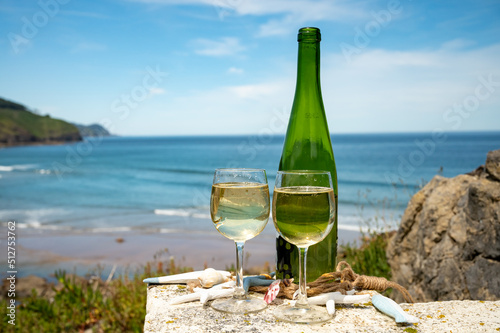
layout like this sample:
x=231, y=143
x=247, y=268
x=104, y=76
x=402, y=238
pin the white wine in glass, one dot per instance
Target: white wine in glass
x=239, y=207
x=303, y=214
x=240, y=211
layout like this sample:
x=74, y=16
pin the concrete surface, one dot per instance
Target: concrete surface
x=450, y=316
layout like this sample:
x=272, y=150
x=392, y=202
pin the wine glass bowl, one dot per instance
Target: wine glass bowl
x=303, y=214
x=240, y=211
x=239, y=208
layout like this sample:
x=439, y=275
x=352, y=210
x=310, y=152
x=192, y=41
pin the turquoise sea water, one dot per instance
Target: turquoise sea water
x=162, y=184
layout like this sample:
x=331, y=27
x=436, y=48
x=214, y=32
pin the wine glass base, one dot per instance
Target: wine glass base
x=311, y=314
x=239, y=306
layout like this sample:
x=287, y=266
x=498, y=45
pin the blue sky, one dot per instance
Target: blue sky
x=172, y=67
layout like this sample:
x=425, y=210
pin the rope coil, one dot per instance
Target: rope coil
x=342, y=280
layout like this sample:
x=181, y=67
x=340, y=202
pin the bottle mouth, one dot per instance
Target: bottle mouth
x=309, y=34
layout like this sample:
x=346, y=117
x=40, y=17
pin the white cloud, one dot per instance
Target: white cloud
x=293, y=12
x=226, y=46
x=298, y=12
x=235, y=70
x=378, y=91
x=457, y=44
x=240, y=109
x=156, y=91
x=383, y=90
x=311, y=9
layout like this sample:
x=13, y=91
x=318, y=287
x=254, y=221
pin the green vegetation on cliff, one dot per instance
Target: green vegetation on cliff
x=19, y=126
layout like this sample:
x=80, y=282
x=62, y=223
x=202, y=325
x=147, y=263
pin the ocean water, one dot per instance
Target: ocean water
x=162, y=184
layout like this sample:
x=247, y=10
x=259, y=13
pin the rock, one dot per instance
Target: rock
x=493, y=164
x=448, y=244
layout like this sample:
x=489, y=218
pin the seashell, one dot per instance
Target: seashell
x=272, y=292
x=225, y=285
x=193, y=284
x=211, y=277
x=391, y=308
x=182, y=278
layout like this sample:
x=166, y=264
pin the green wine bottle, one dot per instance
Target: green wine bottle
x=308, y=147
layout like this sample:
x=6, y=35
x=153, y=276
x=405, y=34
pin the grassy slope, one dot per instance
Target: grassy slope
x=16, y=120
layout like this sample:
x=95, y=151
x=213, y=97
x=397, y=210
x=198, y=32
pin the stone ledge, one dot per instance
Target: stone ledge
x=450, y=316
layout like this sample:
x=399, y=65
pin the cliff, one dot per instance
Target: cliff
x=19, y=126
x=448, y=244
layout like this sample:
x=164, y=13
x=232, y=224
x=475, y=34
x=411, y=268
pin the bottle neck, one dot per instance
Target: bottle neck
x=308, y=69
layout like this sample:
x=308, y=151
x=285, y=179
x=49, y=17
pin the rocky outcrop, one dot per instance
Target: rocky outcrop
x=493, y=164
x=448, y=244
x=93, y=130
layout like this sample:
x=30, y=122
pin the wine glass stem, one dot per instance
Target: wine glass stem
x=302, y=297
x=239, y=291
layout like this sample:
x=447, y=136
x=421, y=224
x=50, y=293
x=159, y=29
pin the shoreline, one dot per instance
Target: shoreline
x=49, y=142
x=43, y=253
x=37, y=143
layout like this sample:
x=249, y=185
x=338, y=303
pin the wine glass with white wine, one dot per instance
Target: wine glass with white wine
x=303, y=214
x=239, y=207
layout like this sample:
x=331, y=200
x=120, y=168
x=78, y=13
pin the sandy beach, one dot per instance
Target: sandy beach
x=42, y=253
